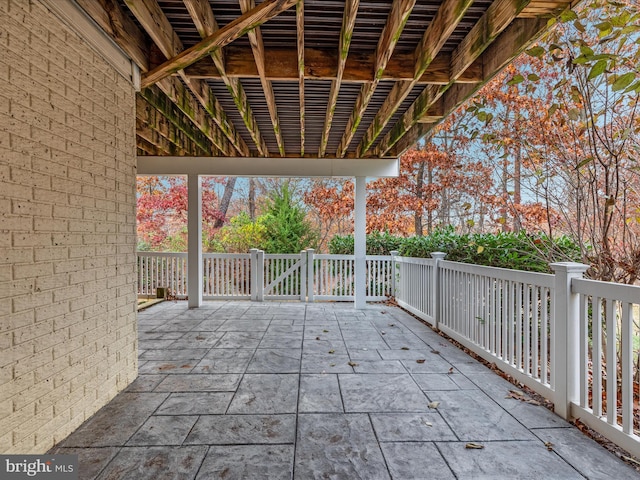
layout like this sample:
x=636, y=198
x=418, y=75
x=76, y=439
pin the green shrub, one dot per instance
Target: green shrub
x=518, y=251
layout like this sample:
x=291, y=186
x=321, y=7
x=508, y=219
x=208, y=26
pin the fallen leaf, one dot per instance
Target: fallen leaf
x=353, y=364
x=428, y=424
x=325, y=331
x=404, y=348
x=629, y=459
x=433, y=404
x=517, y=393
x=332, y=351
x=549, y=446
x=450, y=371
x=435, y=351
x=317, y=338
x=533, y=402
x=392, y=324
x=332, y=364
x=420, y=360
x=475, y=446
x=383, y=332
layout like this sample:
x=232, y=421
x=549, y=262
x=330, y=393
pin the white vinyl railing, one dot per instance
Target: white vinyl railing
x=574, y=341
x=261, y=276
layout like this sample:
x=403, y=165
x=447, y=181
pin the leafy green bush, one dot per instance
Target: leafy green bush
x=378, y=243
x=518, y=251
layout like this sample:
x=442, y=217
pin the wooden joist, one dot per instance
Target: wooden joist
x=346, y=32
x=441, y=27
x=257, y=46
x=247, y=22
x=205, y=22
x=495, y=20
x=398, y=17
x=301, y=59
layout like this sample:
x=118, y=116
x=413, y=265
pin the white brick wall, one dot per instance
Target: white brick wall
x=67, y=230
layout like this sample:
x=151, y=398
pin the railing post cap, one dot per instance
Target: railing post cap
x=569, y=267
x=438, y=255
x=394, y=253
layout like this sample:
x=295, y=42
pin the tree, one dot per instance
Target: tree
x=286, y=228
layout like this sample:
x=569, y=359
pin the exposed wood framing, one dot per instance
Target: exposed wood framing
x=348, y=24
x=496, y=19
x=398, y=17
x=441, y=27
x=110, y=17
x=247, y=22
x=300, y=52
x=156, y=24
x=156, y=110
x=257, y=45
x=322, y=64
x=205, y=22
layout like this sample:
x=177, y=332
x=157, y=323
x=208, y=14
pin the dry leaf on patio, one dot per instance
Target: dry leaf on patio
x=392, y=324
x=332, y=364
x=474, y=446
x=428, y=424
x=332, y=351
x=436, y=352
x=404, y=348
x=353, y=364
x=317, y=338
x=325, y=331
x=450, y=371
x=433, y=404
x=549, y=446
x=420, y=360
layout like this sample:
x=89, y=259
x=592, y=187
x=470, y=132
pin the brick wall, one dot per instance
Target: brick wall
x=67, y=230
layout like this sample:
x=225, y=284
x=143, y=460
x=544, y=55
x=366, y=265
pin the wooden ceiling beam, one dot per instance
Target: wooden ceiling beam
x=257, y=46
x=435, y=36
x=398, y=16
x=495, y=20
x=205, y=22
x=322, y=64
x=110, y=17
x=156, y=24
x=301, y=58
x=235, y=29
x=346, y=32
x=171, y=122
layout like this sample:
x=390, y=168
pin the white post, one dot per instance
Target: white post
x=194, y=227
x=260, y=276
x=565, y=338
x=303, y=276
x=435, y=287
x=310, y=272
x=394, y=254
x=254, y=274
x=360, y=242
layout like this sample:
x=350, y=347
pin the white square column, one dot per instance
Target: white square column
x=194, y=245
x=360, y=242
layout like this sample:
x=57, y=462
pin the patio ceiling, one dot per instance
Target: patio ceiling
x=310, y=78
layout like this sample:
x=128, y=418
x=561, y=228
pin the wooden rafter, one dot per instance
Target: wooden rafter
x=346, y=32
x=156, y=24
x=155, y=109
x=398, y=17
x=439, y=30
x=300, y=52
x=240, y=26
x=110, y=17
x=496, y=19
x=205, y=22
x=257, y=45
x=322, y=64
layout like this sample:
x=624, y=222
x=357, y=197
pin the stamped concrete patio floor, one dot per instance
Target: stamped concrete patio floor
x=240, y=390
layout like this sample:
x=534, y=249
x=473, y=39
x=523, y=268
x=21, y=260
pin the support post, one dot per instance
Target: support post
x=194, y=228
x=360, y=242
x=435, y=287
x=394, y=254
x=565, y=338
x=303, y=276
x=310, y=275
x=254, y=274
x=260, y=276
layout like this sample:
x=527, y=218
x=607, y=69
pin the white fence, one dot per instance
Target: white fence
x=574, y=341
x=305, y=276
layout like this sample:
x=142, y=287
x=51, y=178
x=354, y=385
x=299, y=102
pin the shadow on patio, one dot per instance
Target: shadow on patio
x=294, y=390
